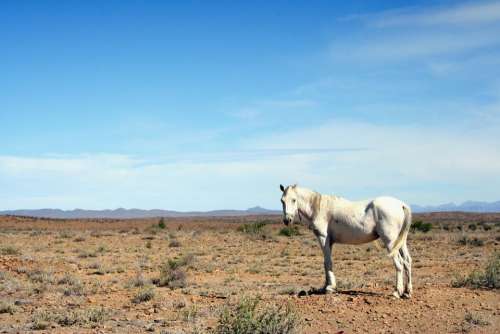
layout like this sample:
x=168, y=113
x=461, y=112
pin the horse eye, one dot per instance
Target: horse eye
x=293, y=200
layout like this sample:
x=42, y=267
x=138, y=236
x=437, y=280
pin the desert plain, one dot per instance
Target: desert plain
x=179, y=275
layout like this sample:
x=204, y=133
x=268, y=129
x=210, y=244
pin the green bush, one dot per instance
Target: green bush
x=256, y=229
x=489, y=278
x=161, y=223
x=421, y=226
x=247, y=318
x=289, y=231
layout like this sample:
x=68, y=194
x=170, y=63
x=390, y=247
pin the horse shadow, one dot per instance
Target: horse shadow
x=315, y=291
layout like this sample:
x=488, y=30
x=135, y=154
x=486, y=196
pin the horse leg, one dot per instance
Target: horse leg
x=330, y=282
x=407, y=270
x=398, y=264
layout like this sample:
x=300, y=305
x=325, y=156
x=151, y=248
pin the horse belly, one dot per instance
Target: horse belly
x=353, y=233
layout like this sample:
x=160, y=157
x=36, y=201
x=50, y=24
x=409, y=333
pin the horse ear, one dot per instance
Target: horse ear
x=282, y=188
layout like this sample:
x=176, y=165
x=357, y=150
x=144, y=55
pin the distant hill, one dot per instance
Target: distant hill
x=134, y=213
x=468, y=206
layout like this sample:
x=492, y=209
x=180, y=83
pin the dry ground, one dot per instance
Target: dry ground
x=83, y=275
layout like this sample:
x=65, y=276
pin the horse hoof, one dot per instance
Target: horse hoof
x=396, y=295
x=406, y=295
x=328, y=290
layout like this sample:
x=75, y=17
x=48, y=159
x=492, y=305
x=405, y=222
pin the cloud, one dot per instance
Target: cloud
x=415, y=45
x=405, y=159
x=265, y=108
x=419, y=164
x=479, y=12
x=412, y=33
x=466, y=13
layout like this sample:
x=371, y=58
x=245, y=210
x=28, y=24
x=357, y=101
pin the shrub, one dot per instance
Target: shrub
x=40, y=320
x=174, y=243
x=74, y=286
x=172, y=274
x=89, y=317
x=289, y=231
x=472, y=227
x=421, y=226
x=40, y=276
x=137, y=281
x=464, y=240
x=489, y=278
x=256, y=229
x=161, y=223
x=143, y=295
x=65, y=235
x=246, y=318
x=475, y=320
x=9, y=250
x=6, y=307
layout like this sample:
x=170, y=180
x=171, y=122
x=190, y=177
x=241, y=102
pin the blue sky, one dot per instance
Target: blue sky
x=209, y=105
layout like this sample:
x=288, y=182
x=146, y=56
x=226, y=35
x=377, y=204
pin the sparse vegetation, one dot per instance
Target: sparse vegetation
x=145, y=294
x=247, y=318
x=73, y=286
x=475, y=320
x=7, y=307
x=421, y=226
x=289, y=231
x=40, y=276
x=137, y=281
x=50, y=285
x=174, y=243
x=256, y=229
x=172, y=274
x=466, y=241
x=82, y=318
x=161, y=223
x=9, y=250
x=489, y=278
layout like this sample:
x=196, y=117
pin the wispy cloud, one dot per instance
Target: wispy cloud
x=478, y=12
x=349, y=158
x=414, y=45
x=459, y=14
x=266, y=107
x=408, y=33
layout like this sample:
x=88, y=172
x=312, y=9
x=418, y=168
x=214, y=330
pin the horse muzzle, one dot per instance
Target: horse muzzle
x=287, y=221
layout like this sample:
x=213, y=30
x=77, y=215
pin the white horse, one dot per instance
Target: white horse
x=337, y=220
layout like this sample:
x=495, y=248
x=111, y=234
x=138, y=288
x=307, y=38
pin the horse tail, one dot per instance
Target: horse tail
x=403, y=234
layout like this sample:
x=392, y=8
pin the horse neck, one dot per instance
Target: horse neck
x=306, y=204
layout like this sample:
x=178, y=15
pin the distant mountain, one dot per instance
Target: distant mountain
x=468, y=206
x=122, y=213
